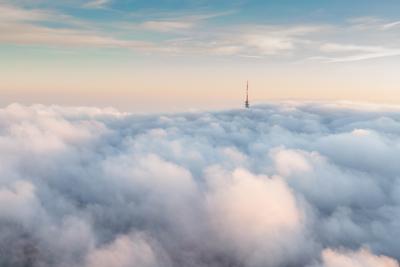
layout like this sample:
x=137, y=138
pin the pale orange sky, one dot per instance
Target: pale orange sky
x=183, y=86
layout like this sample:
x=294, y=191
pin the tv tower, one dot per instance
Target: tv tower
x=246, y=103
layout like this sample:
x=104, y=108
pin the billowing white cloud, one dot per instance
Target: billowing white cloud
x=267, y=223
x=361, y=258
x=124, y=251
x=279, y=185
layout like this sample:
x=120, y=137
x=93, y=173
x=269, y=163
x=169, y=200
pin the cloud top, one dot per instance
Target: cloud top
x=287, y=184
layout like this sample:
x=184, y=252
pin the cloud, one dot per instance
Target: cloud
x=12, y=13
x=175, y=22
x=361, y=258
x=358, y=52
x=28, y=27
x=18, y=202
x=279, y=185
x=373, y=23
x=391, y=25
x=270, y=40
x=232, y=211
x=365, y=23
x=166, y=26
x=372, y=37
x=97, y=3
x=125, y=251
x=334, y=47
x=23, y=34
x=248, y=41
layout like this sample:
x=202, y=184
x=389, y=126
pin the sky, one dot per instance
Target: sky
x=175, y=55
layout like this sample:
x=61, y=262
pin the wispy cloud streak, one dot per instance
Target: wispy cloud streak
x=97, y=3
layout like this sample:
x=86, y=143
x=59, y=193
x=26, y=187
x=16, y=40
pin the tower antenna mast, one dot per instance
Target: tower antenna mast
x=246, y=103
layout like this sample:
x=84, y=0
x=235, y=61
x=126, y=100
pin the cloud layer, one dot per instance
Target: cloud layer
x=278, y=185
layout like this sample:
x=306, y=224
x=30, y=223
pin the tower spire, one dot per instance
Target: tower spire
x=246, y=103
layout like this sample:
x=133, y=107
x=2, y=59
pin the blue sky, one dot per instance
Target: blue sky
x=255, y=11
x=100, y=43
